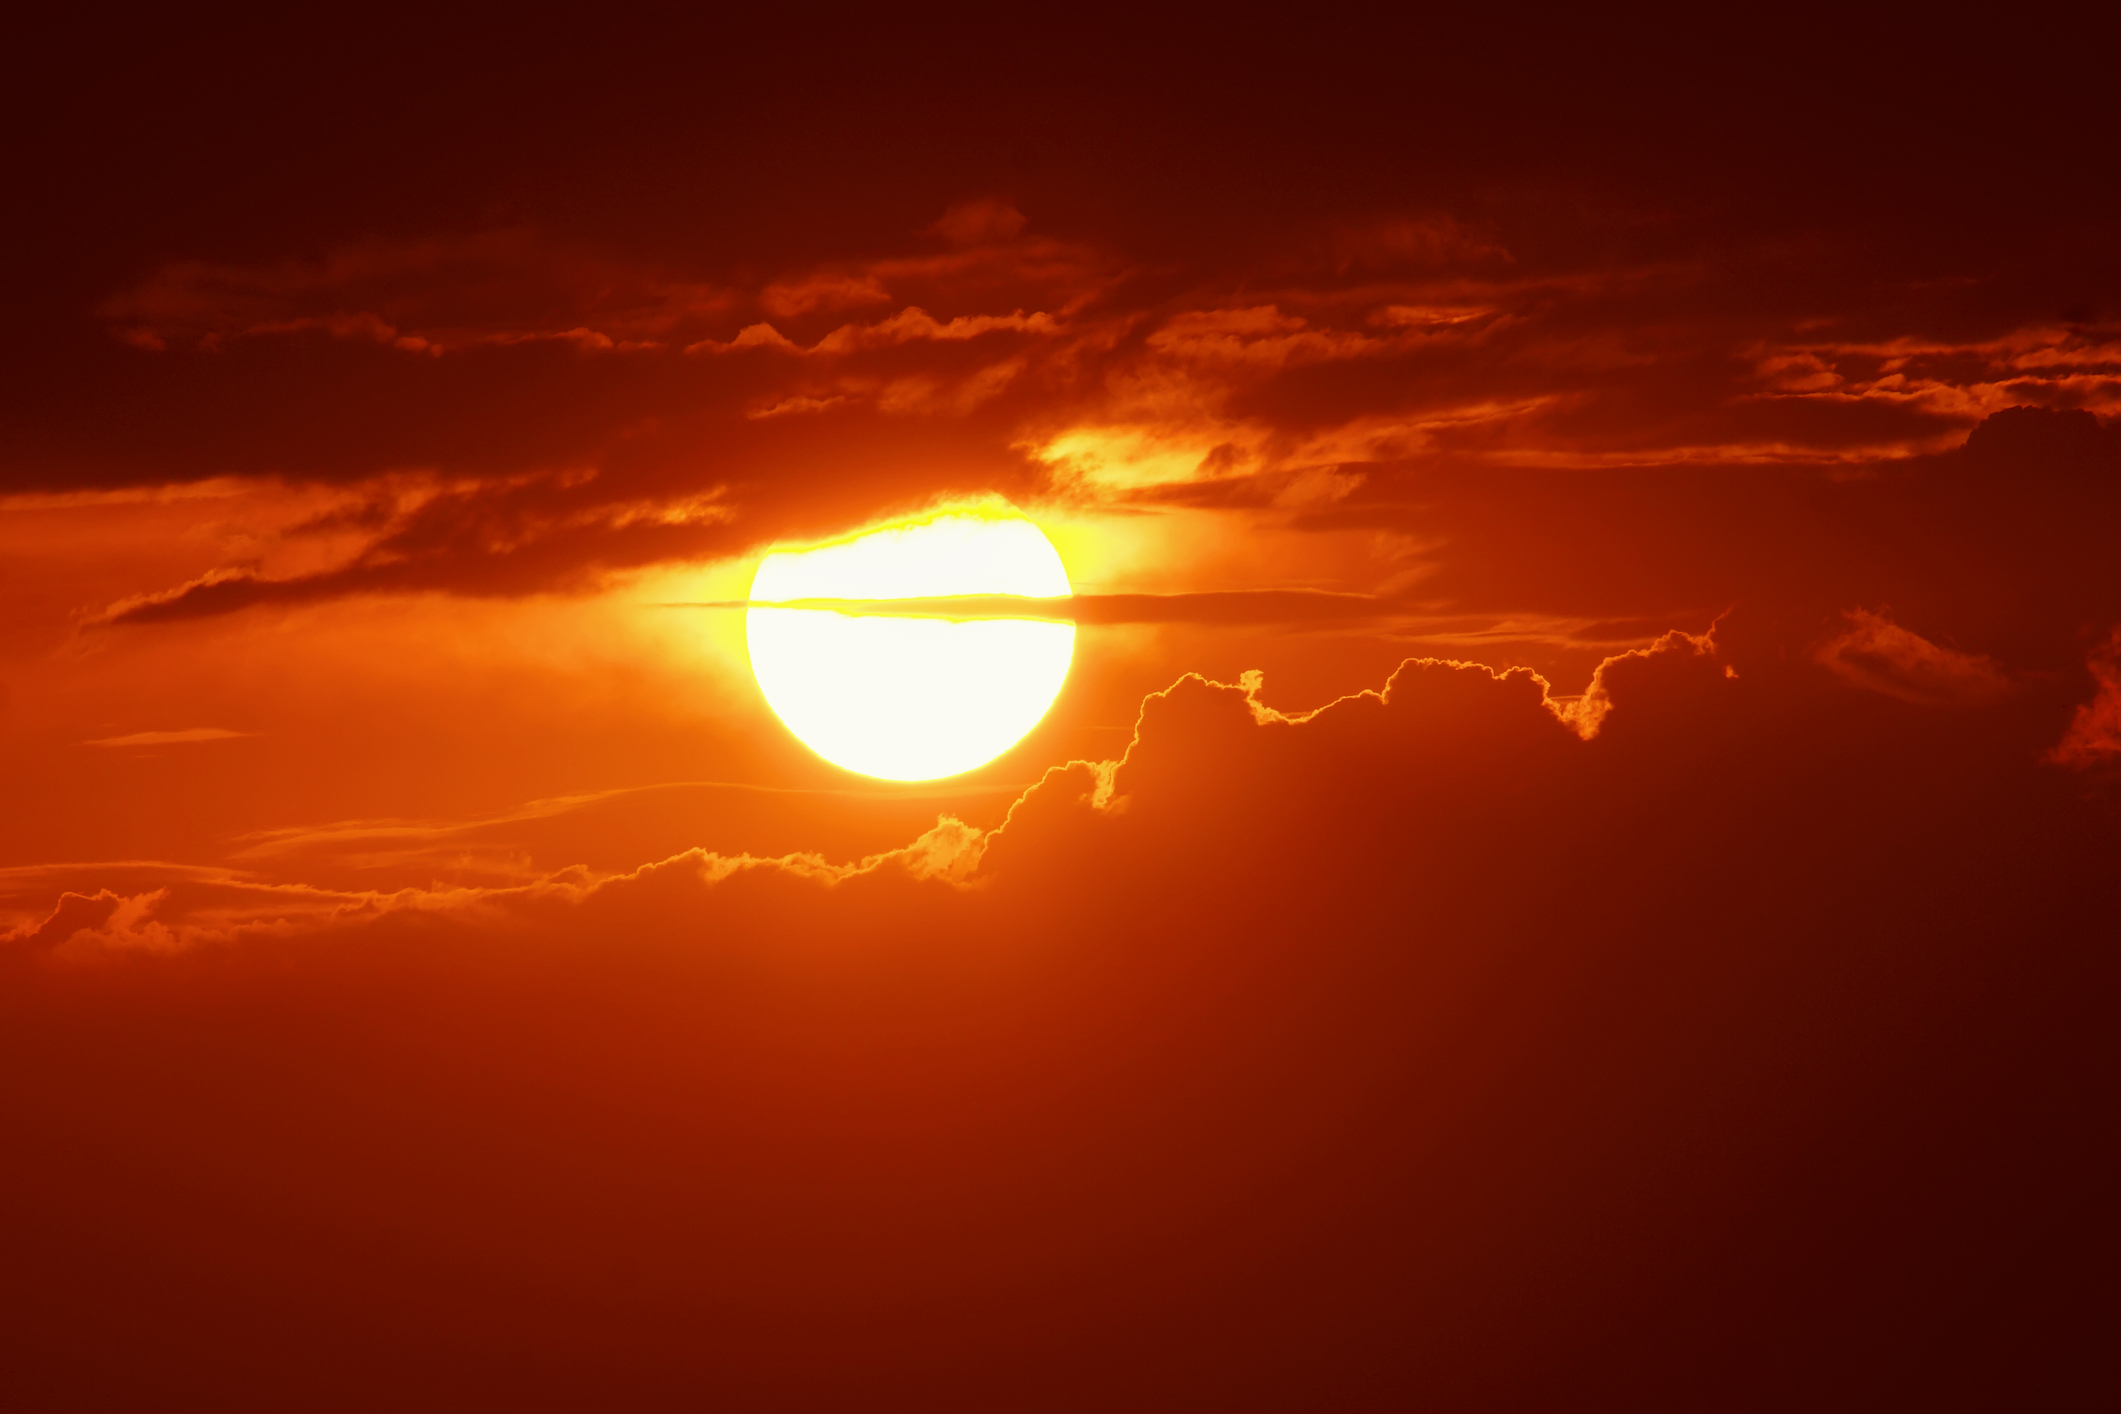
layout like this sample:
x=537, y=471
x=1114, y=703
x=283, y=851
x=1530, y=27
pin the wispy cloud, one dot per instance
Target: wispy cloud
x=1875, y=653
x=181, y=737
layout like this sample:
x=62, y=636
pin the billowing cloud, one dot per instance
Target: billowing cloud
x=2094, y=735
x=102, y=920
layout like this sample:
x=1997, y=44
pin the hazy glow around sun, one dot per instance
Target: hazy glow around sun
x=911, y=698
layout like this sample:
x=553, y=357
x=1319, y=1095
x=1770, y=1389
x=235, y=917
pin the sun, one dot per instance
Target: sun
x=927, y=690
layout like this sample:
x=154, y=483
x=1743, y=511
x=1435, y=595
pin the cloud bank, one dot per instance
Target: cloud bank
x=1430, y=1044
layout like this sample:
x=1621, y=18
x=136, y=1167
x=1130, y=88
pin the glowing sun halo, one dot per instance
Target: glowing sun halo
x=916, y=694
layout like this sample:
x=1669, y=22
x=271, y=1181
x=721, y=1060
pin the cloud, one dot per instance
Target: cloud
x=1426, y=701
x=1318, y=1027
x=489, y=839
x=1960, y=539
x=1167, y=419
x=911, y=324
x=991, y=261
x=16, y=874
x=444, y=294
x=1373, y=380
x=414, y=534
x=1245, y=606
x=1874, y=653
x=2039, y=365
x=982, y=222
x=2094, y=735
x=170, y=738
x=1412, y=1053
x=1408, y=615
x=1260, y=338
x=788, y=298
x=2046, y=444
x=85, y=924
x=1403, y=242
x=1529, y=356
x=1586, y=715
x=204, y=907
x=513, y=288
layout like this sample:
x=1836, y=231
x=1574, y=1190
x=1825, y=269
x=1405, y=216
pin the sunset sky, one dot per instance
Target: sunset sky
x=1574, y=865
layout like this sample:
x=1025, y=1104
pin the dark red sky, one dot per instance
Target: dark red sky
x=1645, y=942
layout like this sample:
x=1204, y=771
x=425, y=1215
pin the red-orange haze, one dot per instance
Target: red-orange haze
x=1575, y=867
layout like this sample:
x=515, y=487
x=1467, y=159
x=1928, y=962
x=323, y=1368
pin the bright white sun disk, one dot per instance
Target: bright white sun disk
x=911, y=698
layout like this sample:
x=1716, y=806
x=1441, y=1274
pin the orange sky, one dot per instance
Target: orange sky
x=1644, y=940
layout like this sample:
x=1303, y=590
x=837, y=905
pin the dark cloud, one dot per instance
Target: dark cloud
x=516, y=537
x=1145, y=346
x=429, y=297
x=1414, y=1051
x=627, y=206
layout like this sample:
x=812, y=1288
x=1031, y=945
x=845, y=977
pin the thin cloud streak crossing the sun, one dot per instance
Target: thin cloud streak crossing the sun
x=1242, y=606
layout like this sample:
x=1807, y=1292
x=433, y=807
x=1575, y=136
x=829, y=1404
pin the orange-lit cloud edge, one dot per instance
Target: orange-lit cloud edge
x=196, y=906
x=1106, y=388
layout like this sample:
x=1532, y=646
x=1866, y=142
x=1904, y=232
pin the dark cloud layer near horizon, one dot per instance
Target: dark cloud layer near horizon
x=1417, y=1051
